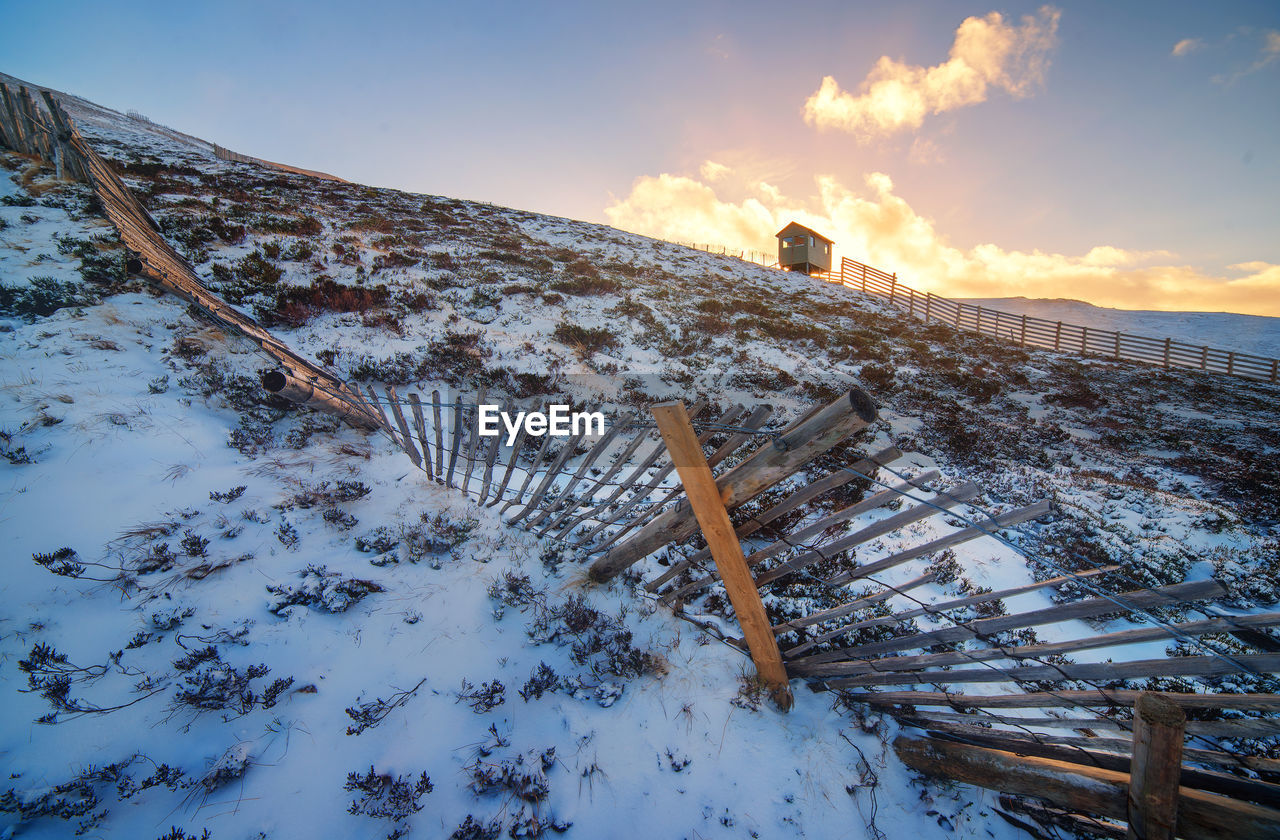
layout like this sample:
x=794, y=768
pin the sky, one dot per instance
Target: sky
x=1127, y=154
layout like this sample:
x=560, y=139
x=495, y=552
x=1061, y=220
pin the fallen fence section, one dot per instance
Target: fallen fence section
x=50, y=134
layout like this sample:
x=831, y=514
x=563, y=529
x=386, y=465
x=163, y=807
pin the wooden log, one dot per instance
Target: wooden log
x=490, y=458
x=1111, y=697
x=420, y=425
x=297, y=390
x=705, y=500
x=1156, y=771
x=1200, y=815
x=593, y=454
x=765, y=467
x=474, y=442
x=1059, y=820
x=1263, y=793
x=1236, y=728
x=898, y=664
x=439, y=427
x=406, y=439
x=986, y=528
x=808, y=533
x=1103, y=741
x=1170, y=666
x=8, y=129
x=1089, y=608
x=938, y=504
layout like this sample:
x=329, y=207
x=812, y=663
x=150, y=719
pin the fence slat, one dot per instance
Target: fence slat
x=593, y=454
x=618, y=462
x=474, y=442
x=435, y=415
x=533, y=470
x=406, y=439
x=420, y=425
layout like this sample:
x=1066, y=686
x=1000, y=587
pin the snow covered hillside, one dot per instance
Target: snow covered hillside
x=224, y=613
x=1253, y=334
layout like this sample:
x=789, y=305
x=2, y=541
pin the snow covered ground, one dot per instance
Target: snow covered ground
x=281, y=607
x=1253, y=334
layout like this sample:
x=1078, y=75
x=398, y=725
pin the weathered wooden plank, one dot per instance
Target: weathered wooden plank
x=839, y=478
x=593, y=454
x=406, y=439
x=553, y=472
x=473, y=443
x=809, y=532
x=1234, y=728
x=1200, y=816
x=704, y=498
x=1172, y=666
x=420, y=426
x=512, y=459
x=439, y=427
x=1088, y=608
x=768, y=465
x=853, y=606
x=983, y=529
x=1040, y=699
x=936, y=505
x=629, y=482
x=645, y=492
x=456, y=444
x=533, y=470
x=929, y=609
x=574, y=512
x=382, y=415
x=1249, y=790
x=898, y=664
x=491, y=457
x=1156, y=771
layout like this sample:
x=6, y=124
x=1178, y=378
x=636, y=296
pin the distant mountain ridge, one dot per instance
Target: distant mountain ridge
x=1256, y=334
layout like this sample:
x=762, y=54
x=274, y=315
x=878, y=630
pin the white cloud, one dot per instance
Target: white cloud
x=987, y=52
x=1187, y=45
x=878, y=227
x=712, y=171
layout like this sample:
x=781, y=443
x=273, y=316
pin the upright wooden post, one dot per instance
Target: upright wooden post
x=1156, y=770
x=1274, y=365
x=928, y=302
x=1167, y=342
x=1204, y=357
x=704, y=498
x=1022, y=339
x=1057, y=337
x=864, y=279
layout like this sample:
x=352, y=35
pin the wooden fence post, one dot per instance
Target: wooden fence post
x=1057, y=337
x=1167, y=342
x=1156, y=770
x=1231, y=362
x=1118, y=346
x=1204, y=356
x=893, y=287
x=1084, y=341
x=1022, y=340
x=708, y=508
x=864, y=279
x=928, y=301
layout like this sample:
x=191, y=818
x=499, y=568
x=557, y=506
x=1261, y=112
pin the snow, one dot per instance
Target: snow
x=126, y=410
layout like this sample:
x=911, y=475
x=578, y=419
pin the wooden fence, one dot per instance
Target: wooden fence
x=50, y=134
x=226, y=154
x=1028, y=331
x=610, y=497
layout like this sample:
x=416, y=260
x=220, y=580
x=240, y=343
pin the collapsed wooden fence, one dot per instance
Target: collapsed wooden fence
x=610, y=497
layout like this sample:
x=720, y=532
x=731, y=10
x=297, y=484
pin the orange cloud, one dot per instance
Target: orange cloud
x=987, y=52
x=880, y=228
